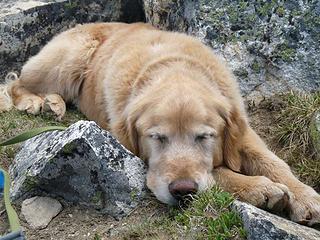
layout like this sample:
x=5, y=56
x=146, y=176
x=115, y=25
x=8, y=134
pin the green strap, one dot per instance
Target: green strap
x=26, y=135
x=12, y=215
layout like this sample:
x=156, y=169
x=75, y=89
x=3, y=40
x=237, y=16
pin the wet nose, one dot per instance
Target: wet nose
x=181, y=188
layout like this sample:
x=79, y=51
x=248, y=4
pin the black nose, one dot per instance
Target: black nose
x=181, y=188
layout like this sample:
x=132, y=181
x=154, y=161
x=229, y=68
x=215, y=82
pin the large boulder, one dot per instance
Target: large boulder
x=271, y=46
x=261, y=225
x=25, y=26
x=84, y=165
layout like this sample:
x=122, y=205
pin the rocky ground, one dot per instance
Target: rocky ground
x=150, y=219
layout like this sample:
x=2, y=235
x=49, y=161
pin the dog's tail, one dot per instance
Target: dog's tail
x=6, y=102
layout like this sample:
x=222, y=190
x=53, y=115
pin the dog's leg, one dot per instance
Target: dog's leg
x=25, y=100
x=257, y=160
x=259, y=191
x=55, y=74
x=34, y=104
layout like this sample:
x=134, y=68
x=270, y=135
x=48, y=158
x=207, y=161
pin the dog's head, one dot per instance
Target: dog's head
x=183, y=130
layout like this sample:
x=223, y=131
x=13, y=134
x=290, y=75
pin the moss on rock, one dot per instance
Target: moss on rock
x=69, y=148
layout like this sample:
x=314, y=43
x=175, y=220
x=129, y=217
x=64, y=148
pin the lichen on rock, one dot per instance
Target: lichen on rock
x=276, y=42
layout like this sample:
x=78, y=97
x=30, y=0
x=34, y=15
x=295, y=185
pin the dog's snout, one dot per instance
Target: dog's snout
x=182, y=187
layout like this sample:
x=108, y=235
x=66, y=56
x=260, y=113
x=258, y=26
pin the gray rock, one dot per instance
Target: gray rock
x=25, y=26
x=84, y=165
x=261, y=225
x=39, y=211
x=315, y=133
x=272, y=46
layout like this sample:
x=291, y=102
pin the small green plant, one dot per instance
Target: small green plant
x=210, y=216
x=287, y=54
x=256, y=66
x=71, y=5
x=97, y=198
x=280, y=11
x=96, y=237
x=69, y=148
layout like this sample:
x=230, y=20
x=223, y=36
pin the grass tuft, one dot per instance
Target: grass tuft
x=293, y=133
x=208, y=216
x=294, y=121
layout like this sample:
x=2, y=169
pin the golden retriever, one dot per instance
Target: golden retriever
x=169, y=100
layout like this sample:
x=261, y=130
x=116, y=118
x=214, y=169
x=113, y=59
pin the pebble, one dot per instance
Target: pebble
x=39, y=211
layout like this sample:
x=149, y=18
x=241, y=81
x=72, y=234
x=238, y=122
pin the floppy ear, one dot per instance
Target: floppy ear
x=125, y=129
x=235, y=129
x=131, y=115
x=132, y=134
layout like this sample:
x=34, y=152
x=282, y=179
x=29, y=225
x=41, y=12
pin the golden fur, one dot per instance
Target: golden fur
x=169, y=100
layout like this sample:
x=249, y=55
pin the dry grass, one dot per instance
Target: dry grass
x=291, y=130
x=294, y=121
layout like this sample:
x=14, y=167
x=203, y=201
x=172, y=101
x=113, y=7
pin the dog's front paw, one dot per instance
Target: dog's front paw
x=267, y=194
x=305, y=206
x=56, y=104
x=31, y=104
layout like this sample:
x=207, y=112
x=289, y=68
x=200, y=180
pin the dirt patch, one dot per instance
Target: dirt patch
x=76, y=222
x=263, y=119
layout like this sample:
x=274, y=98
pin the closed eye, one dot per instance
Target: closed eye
x=159, y=137
x=204, y=136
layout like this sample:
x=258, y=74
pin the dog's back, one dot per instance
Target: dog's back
x=99, y=66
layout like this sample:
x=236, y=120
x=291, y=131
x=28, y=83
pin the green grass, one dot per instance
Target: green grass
x=293, y=133
x=208, y=216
